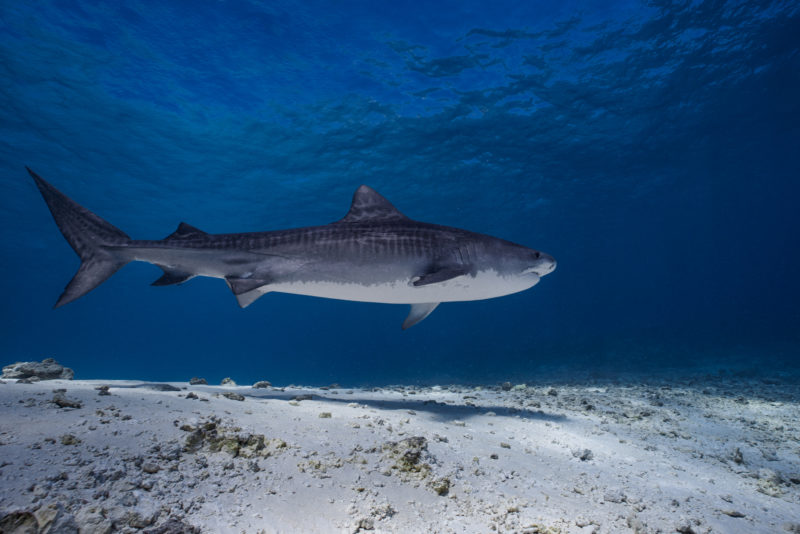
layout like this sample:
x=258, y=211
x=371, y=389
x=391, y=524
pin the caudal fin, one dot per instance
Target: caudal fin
x=90, y=237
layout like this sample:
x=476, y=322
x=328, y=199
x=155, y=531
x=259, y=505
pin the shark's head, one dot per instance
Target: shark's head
x=538, y=263
x=512, y=260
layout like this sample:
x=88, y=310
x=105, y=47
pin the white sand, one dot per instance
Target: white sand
x=656, y=458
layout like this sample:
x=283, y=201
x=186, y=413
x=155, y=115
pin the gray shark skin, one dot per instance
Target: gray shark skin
x=374, y=254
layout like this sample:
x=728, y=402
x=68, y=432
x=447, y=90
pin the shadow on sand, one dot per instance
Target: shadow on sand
x=439, y=411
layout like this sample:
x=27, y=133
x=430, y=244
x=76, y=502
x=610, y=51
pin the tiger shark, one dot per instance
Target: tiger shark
x=373, y=254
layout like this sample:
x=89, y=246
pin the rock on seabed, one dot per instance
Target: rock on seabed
x=47, y=369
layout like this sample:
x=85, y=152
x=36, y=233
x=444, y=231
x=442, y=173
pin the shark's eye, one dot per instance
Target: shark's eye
x=537, y=254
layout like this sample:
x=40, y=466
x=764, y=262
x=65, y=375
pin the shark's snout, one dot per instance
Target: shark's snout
x=544, y=264
x=548, y=264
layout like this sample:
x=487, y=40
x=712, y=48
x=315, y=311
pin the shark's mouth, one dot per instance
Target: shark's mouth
x=534, y=270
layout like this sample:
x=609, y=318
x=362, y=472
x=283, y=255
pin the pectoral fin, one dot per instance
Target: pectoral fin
x=441, y=275
x=418, y=313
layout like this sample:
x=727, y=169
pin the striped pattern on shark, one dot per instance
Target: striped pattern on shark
x=373, y=254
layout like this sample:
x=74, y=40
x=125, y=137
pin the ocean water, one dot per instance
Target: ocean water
x=653, y=148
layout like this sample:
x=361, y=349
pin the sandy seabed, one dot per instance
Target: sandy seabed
x=711, y=454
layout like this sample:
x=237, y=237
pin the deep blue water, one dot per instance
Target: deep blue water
x=652, y=148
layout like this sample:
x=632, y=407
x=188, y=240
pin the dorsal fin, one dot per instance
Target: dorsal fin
x=368, y=205
x=186, y=231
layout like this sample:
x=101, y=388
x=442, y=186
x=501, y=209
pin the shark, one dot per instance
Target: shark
x=373, y=254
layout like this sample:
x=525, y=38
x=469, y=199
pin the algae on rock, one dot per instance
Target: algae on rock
x=408, y=455
x=213, y=437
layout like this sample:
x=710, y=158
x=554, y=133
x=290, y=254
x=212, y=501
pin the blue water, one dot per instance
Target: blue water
x=652, y=148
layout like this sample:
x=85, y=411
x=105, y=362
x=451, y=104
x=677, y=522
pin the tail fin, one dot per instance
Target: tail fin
x=88, y=235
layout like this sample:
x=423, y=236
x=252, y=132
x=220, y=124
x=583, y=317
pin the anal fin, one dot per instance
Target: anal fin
x=418, y=313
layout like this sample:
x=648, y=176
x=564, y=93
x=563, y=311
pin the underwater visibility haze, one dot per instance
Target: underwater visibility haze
x=650, y=147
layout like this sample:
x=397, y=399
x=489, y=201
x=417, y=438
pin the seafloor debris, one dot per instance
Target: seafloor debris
x=441, y=486
x=62, y=401
x=212, y=436
x=411, y=460
x=408, y=455
x=55, y=518
x=69, y=439
x=50, y=518
x=583, y=454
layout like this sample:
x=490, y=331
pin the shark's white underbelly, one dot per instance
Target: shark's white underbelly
x=485, y=285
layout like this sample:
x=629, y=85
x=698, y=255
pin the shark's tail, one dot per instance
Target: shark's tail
x=92, y=238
